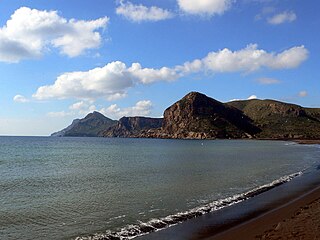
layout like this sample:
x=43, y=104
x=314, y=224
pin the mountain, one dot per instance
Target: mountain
x=199, y=116
x=279, y=120
x=90, y=126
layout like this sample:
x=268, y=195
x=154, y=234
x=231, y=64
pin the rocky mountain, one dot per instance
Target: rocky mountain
x=197, y=116
x=91, y=126
x=132, y=127
x=279, y=120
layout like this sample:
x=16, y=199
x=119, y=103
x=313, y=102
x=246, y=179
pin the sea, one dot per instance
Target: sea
x=116, y=188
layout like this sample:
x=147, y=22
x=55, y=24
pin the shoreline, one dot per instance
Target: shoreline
x=246, y=220
x=286, y=221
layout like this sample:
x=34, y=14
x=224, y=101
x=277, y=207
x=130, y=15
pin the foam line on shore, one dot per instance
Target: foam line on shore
x=143, y=228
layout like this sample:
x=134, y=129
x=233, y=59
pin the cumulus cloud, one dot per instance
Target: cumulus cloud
x=284, y=17
x=80, y=108
x=141, y=108
x=29, y=33
x=248, y=59
x=110, y=82
x=268, y=81
x=83, y=107
x=114, y=79
x=151, y=75
x=204, y=7
x=140, y=13
x=20, y=99
x=303, y=94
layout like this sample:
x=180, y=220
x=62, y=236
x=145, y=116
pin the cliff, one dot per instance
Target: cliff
x=199, y=116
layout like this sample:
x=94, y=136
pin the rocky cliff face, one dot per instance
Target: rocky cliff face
x=133, y=127
x=90, y=126
x=199, y=116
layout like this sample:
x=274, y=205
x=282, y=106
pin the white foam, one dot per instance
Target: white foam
x=153, y=225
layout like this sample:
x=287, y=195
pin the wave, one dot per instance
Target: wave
x=143, y=228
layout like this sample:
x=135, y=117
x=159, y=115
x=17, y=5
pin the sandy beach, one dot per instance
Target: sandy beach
x=298, y=219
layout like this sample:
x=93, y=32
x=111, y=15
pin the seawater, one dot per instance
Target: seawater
x=64, y=188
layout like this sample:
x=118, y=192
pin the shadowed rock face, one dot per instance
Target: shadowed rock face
x=133, y=127
x=198, y=116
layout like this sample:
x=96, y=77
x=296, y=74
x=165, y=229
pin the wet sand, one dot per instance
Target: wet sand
x=298, y=219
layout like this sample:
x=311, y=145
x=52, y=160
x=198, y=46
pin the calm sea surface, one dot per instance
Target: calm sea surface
x=61, y=188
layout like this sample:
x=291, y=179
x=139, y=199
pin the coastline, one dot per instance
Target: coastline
x=253, y=218
x=298, y=219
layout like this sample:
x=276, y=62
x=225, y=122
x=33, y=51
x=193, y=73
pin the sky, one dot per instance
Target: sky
x=60, y=60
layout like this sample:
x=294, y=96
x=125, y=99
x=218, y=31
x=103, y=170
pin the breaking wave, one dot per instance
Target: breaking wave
x=143, y=228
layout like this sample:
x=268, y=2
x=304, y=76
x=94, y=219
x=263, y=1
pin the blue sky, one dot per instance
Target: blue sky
x=60, y=60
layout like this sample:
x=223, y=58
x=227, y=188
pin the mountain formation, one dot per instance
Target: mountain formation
x=197, y=116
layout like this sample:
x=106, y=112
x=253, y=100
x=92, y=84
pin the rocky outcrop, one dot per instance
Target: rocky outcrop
x=133, y=127
x=201, y=117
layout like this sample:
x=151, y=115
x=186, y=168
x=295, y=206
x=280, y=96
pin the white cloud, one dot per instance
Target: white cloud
x=248, y=59
x=112, y=81
x=80, y=108
x=284, y=17
x=265, y=12
x=303, y=94
x=141, y=108
x=108, y=81
x=204, y=7
x=268, y=81
x=249, y=98
x=151, y=75
x=252, y=97
x=20, y=99
x=29, y=33
x=139, y=13
x=77, y=105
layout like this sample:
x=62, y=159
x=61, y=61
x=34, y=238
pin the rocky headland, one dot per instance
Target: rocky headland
x=197, y=116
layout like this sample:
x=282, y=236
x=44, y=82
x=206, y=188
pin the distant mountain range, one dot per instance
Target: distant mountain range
x=197, y=116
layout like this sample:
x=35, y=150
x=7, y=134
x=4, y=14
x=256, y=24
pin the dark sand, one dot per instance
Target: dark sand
x=299, y=219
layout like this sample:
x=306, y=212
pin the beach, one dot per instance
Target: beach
x=288, y=211
x=299, y=219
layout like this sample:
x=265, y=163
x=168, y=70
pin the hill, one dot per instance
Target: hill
x=279, y=120
x=90, y=126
